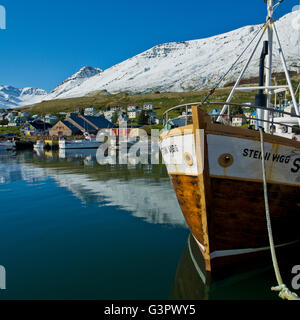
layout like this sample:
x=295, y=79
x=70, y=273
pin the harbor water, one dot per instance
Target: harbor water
x=73, y=229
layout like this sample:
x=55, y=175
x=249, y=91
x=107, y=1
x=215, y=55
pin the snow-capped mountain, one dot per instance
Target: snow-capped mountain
x=187, y=65
x=11, y=97
x=74, y=81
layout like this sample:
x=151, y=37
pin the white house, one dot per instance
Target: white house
x=132, y=107
x=90, y=111
x=115, y=108
x=49, y=118
x=108, y=113
x=148, y=106
x=35, y=117
x=238, y=120
x=25, y=115
x=133, y=114
x=2, y=115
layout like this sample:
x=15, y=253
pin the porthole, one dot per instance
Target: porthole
x=188, y=159
x=226, y=160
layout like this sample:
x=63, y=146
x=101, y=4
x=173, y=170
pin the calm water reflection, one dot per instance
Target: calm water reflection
x=72, y=229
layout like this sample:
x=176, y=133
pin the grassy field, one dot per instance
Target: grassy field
x=4, y=130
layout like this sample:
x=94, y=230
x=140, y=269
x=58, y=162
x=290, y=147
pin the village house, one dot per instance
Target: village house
x=49, y=118
x=64, y=128
x=70, y=114
x=91, y=124
x=36, y=117
x=148, y=106
x=35, y=128
x=90, y=111
x=253, y=118
x=25, y=115
x=132, y=107
x=238, y=120
x=214, y=113
x=16, y=118
x=115, y=108
x=108, y=113
x=133, y=114
x=3, y=115
x=11, y=116
x=17, y=122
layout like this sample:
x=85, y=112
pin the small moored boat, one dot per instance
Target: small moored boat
x=7, y=145
x=88, y=143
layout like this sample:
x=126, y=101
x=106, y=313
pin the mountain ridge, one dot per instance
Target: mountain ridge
x=11, y=97
x=180, y=66
x=188, y=65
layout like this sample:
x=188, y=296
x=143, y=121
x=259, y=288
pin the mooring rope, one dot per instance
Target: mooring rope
x=284, y=292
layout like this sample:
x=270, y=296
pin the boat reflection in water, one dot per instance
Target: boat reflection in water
x=88, y=156
x=252, y=282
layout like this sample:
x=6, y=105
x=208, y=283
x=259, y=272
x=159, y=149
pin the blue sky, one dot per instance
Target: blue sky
x=47, y=41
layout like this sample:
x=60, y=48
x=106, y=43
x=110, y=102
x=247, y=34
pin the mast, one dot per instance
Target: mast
x=264, y=115
x=269, y=64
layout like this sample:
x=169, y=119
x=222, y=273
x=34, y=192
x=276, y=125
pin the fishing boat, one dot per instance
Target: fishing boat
x=7, y=145
x=87, y=143
x=217, y=169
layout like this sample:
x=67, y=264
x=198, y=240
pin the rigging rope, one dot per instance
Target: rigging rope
x=284, y=292
x=236, y=61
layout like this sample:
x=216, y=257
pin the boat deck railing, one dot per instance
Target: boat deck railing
x=226, y=119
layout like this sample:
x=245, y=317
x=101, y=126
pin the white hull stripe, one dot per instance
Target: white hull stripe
x=225, y=253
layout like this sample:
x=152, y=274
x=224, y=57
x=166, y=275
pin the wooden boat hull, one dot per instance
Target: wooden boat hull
x=217, y=176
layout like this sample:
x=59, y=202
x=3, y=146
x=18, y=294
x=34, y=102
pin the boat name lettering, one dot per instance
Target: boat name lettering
x=275, y=157
x=173, y=148
x=296, y=165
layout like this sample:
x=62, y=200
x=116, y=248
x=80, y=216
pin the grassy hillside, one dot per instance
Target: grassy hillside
x=162, y=101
